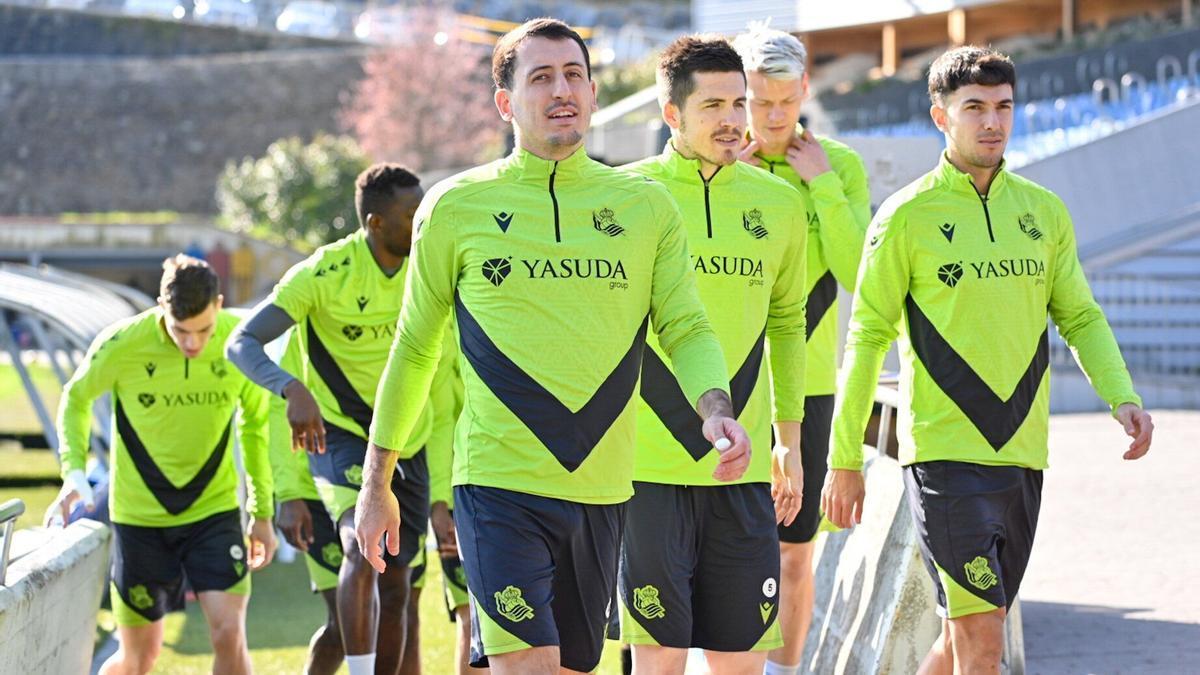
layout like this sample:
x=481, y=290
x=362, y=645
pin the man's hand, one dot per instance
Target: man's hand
x=296, y=523
x=304, y=416
x=726, y=435
x=787, y=481
x=262, y=543
x=1138, y=426
x=807, y=158
x=749, y=154
x=377, y=513
x=842, y=497
x=443, y=530
x=75, y=488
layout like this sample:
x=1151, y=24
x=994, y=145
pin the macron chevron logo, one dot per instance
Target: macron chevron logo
x=503, y=220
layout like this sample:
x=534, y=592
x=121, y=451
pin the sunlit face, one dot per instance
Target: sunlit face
x=392, y=227
x=191, y=335
x=774, y=110
x=977, y=120
x=712, y=122
x=551, y=100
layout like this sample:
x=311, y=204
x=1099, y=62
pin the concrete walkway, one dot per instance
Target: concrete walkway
x=1114, y=582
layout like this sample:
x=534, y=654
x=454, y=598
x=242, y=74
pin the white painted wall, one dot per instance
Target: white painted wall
x=48, y=609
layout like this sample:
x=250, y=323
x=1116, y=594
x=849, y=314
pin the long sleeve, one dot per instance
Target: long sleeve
x=446, y=400
x=882, y=284
x=1082, y=323
x=786, y=324
x=253, y=433
x=428, y=294
x=288, y=468
x=91, y=380
x=246, y=347
x=678, y=316
x=842, y=202
x=293, y=480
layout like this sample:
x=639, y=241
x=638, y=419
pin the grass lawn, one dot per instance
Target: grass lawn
x=16, y=413
x=37, y=500
x=27, y=465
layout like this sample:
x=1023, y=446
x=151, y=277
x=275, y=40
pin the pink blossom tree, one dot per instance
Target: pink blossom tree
x=426, y=99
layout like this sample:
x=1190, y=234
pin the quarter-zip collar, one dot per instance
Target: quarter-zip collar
x=687, y=170
x=958, y=181
x=526, y=166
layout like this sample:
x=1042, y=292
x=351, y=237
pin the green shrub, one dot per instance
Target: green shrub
x=303, y=192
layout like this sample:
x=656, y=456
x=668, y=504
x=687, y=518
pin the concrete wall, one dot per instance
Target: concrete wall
x=138, y=134
x=48, y=609
x=1131, y=178
x=41, y=31
x=873, y=606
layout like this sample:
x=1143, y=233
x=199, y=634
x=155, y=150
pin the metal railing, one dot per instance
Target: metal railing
x=9, y=512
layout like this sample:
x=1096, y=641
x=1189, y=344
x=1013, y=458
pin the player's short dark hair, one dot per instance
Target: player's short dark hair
x=188, y=286
x=691, y=54
x=504, y=56
x=969, y=65
x=376, y=186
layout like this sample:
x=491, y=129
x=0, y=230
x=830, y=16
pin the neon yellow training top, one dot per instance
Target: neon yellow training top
x=746, y=232
x=838, y=220
x=966, y=282
x=554, y=271
x=172, y=451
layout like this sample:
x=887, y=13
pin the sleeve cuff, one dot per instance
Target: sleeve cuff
x=827, y=184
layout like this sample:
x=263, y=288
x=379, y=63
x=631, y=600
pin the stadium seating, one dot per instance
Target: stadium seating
x=1046, y=127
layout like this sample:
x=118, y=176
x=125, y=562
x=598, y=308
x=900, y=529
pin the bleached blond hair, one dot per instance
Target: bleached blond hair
x=774, y=53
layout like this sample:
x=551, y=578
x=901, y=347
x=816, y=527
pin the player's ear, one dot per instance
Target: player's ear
x=219, y=302
x=938, y=114
x=672, y=115
x=504, y=104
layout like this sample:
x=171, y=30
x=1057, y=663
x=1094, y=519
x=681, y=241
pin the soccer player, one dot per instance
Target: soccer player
x=700, y=561
x=446, y=397
x=554, y=267
x=964, y=264
x=834, y=179
x=173, y=501
x=303, y=520
x=344, y=300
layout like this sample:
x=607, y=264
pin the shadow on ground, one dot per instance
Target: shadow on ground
x=1064, y=638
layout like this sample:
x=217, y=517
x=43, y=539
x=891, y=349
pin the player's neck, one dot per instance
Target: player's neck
x=778, y=149
x=707, y=169
x=388, y=263
x=547, y=151
x=981, y=176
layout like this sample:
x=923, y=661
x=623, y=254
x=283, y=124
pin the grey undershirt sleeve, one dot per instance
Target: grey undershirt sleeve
x=245, y=347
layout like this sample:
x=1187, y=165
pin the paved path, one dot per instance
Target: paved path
x=1114, y=582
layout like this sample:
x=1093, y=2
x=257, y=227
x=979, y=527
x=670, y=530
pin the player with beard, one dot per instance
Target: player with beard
x=344, y=301
x=699, y=561
x=554, y=267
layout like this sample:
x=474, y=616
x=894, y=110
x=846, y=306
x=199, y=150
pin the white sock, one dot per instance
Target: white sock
x=361, y=664
x=773, y=668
